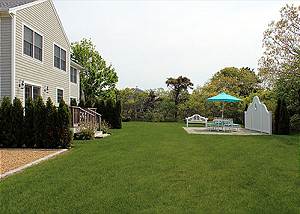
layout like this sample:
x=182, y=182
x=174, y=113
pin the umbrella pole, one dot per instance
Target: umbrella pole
x=222, y=110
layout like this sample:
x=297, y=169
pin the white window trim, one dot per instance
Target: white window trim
x=55, y=68
x=43, y=43
x=72, y=97
x=59, y=88
x=33, y=84
x=76, y=75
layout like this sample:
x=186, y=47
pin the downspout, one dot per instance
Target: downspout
x=13, y=54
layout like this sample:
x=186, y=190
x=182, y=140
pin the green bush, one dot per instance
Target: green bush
x=28, y=123
x=17, y=123
x=63, y=125
x=85, y=134
x=42, y=126
x=105, y=126
x=117, y=115
x=110, y=112
x=6, y=137
x=51, y=125
x=277, y=116
x=39, y=124
x=295, y=122
x=284, y=119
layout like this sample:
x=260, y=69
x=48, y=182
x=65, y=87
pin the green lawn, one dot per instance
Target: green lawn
x=158, y=168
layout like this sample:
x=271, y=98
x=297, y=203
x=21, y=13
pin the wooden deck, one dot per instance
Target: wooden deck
x=85, y=117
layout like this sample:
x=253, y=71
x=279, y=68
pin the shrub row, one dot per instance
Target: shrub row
x=36, y=126
x=111, y=112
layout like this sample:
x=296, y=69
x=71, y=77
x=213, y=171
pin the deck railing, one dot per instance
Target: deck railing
x=81, y=117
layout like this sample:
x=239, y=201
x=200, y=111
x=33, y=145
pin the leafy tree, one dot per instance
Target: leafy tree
x=281, y=46
x=239, y=81
x=17, y=122
x=179, y=86
x=6, y=135
x=29, y=123
x=98, y=79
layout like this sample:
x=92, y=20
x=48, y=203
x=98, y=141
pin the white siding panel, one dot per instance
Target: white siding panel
x=5, y=56
x=42, y=19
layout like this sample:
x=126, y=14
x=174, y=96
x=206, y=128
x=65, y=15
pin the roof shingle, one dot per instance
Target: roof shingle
x=7, y=4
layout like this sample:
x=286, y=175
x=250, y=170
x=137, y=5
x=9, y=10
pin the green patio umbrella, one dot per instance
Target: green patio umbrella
x=224, y=98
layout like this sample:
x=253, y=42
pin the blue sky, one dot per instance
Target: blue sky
x=148, y=41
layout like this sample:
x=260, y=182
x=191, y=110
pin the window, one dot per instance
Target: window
x=38, y=46
x=60, y=95
x=73, y=73
x=28, y=41
x=33, y=44
x=32, y=91
x=59, y=58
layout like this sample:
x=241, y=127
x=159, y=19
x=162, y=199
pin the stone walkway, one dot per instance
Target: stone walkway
x=203, y=130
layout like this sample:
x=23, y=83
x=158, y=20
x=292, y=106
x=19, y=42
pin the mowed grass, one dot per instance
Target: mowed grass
x=158, y=168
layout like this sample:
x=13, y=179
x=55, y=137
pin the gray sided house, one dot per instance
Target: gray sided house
x=35, y=53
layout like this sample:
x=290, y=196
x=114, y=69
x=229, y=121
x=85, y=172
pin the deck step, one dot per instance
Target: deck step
x=99, y=134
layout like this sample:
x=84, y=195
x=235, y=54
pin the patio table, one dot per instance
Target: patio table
x=222, y=124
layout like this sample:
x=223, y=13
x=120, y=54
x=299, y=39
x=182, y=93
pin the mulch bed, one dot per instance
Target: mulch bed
x=13, y=158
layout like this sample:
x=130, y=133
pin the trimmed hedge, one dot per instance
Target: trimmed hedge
x=42, y=126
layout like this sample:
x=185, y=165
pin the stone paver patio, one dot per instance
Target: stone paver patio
x=203, y=130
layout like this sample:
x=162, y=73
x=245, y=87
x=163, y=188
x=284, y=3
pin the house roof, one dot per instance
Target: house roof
x=8, y=4
x=73, y=63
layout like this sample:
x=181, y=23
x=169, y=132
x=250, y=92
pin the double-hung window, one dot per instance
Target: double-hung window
x=59, y=58
x=59, y=95
x=32, y=91
x=33, y=44
x=73, y=75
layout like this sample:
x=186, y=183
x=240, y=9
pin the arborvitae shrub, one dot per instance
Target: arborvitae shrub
x=51, y=125
x=6, y=139
x=28, y=123
x=39, y=123
x=100, y=105
x=118, y=115
x=63, y=125
x=17, y=123
x=284, y=119
x=277, y=116
x=108, y=114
